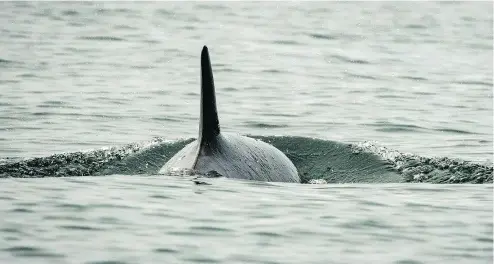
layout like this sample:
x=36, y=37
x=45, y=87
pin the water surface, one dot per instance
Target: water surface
x=367, y=96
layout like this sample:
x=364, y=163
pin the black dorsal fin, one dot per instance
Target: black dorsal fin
x=209, y=126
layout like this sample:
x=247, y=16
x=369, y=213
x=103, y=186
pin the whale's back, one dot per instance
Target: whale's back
x=231, y=156
x=234, y=156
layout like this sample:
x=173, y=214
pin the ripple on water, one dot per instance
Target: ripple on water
x=102, y=38
x=413, y=78
x=166, y=250
x=202, y=260
x=73, y=207
x=27, y=251
x=361, y=76
x=264, y=125
x=22, y=210
x=81, y=227
x=373, y=203
x=106, y=262
x=480, y=83
x=267, y=234
x=323, y=36
x=455, y=131
x=366, y=224
x=5, y=62
x=346, y=59
x=408, y=261
x=64, y=217
x=160, y=196
x=211, y=229
x=418, y=188
x=11, y=230
x=395, y=127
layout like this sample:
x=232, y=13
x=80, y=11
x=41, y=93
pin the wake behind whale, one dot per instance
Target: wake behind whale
x=228, y=155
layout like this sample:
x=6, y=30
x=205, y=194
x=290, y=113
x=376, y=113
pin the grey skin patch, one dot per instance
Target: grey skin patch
x=216, y=154
x=234, y=156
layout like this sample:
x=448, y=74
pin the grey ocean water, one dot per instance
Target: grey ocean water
x=111, y=89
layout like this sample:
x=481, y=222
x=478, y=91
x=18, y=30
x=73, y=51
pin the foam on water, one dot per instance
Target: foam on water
x=315, y=159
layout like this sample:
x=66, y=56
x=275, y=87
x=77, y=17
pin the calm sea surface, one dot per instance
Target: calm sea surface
x=407, y=76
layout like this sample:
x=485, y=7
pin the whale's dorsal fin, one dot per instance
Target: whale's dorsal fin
x=209, y=126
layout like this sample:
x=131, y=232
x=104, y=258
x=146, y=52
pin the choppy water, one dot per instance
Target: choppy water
x=351, y=88
x=120, y=219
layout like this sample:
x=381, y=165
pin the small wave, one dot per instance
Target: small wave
x=4, y=61
x=230, y=89
x=27, y=75
x=279, y=114
x=143, y=67
x=455, y=131
x=21, y=210
x=287, y=42
x=165, y=250
x=70, y=12
x=102, y=38
x=393, y=127
x=480, y=46
x=397, y=129
x=272, y=71
x=322, y=36
x=424, y=93
x=480, y=83
x=360, y=76
x=413, y=78
x=54, y=102
x=167, y=119
x=27, y=251
x=416, y=26
x=226, y=70
x=165, y=12
x=107, y=262
x=113, y=10
x=122, y=26
x=263, y=125
x=211, y=7
x=349, y=60
x=80, y=227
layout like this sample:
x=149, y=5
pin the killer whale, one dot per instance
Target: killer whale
x=223, y=154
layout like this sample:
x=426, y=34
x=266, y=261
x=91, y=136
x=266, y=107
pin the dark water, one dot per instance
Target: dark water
x=354, y=93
